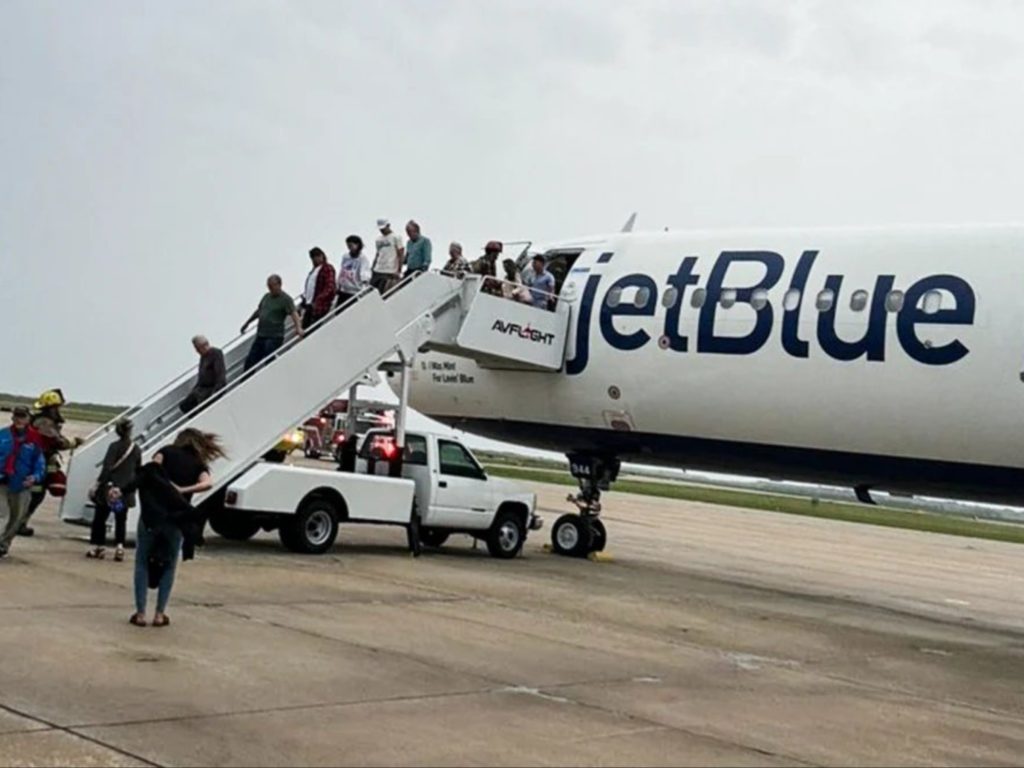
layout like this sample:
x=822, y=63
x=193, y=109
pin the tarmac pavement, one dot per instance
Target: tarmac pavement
x=716, y=636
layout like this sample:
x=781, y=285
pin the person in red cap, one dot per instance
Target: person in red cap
x=486, y=265
x=22, y=465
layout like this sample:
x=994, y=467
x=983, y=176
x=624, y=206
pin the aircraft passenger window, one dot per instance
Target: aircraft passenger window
x=894, y=301
x=932, y=302
x=791, y=300
x=642, y=295
x=859, y=300
x=614, y=297
x=455, y=460
x=824, y=301
x=759, y=299
x=697, y=300
x=668, y=298
x=727, y=298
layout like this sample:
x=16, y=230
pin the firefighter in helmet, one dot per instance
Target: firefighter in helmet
x=47, y=424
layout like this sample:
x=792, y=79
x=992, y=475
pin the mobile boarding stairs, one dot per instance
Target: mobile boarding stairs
x=424, y=312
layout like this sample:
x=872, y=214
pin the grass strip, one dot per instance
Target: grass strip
x=792, y=505
x=72, y=411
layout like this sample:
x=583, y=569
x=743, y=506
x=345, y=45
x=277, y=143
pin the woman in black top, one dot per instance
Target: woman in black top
x=166, y=486
x=120, y=466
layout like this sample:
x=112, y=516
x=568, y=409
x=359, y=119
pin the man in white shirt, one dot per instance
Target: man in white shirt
x=387, y=266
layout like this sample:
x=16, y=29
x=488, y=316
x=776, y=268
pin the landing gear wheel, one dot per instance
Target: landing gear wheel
x=313, y=530
x=432, y=537
x=507, y=535
x=572, y=536
x=233, y=526
x=599, y=536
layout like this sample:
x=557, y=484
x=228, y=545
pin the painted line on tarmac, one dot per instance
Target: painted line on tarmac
x=69, y=730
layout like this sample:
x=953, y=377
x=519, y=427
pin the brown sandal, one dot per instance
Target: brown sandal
x=138, y=620
x=96, y=553
x=161, y=621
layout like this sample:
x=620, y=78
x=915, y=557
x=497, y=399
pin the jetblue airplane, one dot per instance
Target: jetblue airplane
x=885, y=359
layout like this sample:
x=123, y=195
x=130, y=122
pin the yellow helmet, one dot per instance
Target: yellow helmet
x=49, y=398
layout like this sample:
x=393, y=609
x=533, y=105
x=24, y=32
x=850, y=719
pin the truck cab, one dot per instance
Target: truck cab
x=437, y=488
x=453, y=492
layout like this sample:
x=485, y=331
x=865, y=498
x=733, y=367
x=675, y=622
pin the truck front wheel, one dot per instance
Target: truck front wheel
x=507, y=535
x=313, y=530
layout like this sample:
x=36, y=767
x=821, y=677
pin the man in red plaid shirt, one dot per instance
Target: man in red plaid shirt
x=320, y=289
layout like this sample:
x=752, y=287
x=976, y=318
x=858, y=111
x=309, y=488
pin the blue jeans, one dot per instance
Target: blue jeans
x=144, y=539
x=262, y=348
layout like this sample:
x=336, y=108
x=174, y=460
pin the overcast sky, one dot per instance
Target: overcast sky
x=159, y=159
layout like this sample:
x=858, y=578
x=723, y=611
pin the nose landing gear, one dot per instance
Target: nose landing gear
x=579, y=534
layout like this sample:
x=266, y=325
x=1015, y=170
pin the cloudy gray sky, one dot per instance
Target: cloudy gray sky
x=158, y=159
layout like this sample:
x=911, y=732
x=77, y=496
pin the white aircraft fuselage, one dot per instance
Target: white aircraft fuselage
x=887, y=359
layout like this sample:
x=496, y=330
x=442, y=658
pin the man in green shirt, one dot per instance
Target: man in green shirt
x=274, y=308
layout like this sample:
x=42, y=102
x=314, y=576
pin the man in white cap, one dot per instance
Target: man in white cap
x=387, y=266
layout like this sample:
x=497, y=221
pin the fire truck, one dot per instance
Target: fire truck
x=325, y=432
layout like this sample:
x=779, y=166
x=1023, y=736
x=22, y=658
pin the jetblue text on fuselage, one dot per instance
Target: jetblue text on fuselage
x=870, y=345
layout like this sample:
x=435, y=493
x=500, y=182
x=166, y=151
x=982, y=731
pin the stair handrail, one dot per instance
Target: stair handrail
x=161, y=436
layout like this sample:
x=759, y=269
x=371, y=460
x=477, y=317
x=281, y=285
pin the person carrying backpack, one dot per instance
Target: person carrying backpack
x=119, y=469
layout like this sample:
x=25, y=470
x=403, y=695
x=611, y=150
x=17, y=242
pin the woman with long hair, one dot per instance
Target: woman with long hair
x=166, y=486
x=354, y=273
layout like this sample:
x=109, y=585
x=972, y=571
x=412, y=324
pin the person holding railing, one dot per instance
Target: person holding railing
x=456, y=266
x=418, y=251
x=541, y=284
x=321, y=285
x=211, y=377
x=274, y=307
x=387, y=266
x=354, y=273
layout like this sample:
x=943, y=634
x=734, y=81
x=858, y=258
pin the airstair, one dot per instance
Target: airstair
x=424, y=312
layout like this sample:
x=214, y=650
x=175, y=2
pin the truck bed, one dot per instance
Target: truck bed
x=281, y=489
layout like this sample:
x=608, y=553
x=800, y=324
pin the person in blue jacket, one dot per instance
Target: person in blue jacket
x=22, y=465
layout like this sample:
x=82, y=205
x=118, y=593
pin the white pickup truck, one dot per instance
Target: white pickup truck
x=442, y=490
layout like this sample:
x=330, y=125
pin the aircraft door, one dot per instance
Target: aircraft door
x=559, y=263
